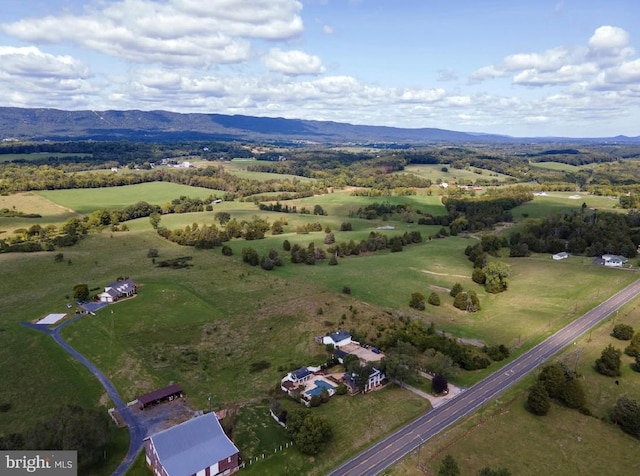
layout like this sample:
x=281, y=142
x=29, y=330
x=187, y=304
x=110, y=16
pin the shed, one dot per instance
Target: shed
x=160, y=395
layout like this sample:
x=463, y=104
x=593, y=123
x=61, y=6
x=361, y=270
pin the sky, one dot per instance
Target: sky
x=516, y=67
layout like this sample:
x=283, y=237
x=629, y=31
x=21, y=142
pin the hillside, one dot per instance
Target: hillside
x=54, y=124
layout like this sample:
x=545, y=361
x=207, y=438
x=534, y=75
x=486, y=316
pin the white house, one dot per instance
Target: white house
x=375, y=380
x=561, y=255
x=614, y=261
x=118, y=290
x=337, y=339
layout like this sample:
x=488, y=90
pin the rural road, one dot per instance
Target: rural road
x=384, y=454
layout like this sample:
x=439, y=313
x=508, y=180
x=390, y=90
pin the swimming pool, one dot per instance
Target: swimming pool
x=320, y=386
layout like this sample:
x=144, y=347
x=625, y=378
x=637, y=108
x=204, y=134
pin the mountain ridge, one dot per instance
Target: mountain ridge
x=161, y=125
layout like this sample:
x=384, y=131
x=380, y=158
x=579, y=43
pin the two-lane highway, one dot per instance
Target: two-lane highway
x=388, y=451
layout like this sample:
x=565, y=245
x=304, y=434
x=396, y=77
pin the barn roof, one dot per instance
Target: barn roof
x=159, y=394
x=193, y=445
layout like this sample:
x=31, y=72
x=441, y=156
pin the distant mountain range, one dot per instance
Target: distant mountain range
x=55, y=124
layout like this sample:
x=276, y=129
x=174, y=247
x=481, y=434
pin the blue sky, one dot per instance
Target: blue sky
x=523, y=68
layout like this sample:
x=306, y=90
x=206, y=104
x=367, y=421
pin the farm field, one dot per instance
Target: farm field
x=204, y=326
x=506, y=435
x=239, y=167
x=156, y=193
x=556, y=202
x=31, y=202
x=434, y=173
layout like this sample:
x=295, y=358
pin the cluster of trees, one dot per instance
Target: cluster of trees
x=210, y=236
x=556, y=382
x=309, y=432
x=584, y=232
x=493, y=275
x=38, y=238
x=410, y=343
x=375, y=242
x=626, y=332
x=379, y=210
x=69, y=428
x=280, y=208
x=483, y=212
x=449, y=467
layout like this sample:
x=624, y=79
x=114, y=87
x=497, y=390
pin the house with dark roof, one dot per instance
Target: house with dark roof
x=337, y=339
x=300, y=375
x=118, y=290
x=197, y=447
x=375, y=380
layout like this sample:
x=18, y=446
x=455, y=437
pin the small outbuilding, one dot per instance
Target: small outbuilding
x=165, y=394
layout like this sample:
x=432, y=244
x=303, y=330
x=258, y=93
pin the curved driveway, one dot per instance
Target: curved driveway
x=137, y=431
x=388, y=451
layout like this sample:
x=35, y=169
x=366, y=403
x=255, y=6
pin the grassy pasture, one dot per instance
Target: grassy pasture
x=434, y=172
x=157, y=193
x=564, y=441
x=239, y=167
x=203, y=327
x=31, y=202
x=557, y=202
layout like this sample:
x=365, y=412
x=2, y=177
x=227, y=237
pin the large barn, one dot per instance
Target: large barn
x=197, y=447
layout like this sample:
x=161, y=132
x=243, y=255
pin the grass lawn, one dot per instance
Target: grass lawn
x=369, y=417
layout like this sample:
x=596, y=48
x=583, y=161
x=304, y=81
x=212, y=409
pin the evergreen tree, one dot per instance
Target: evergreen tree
x=538, y=401
x=609, y=362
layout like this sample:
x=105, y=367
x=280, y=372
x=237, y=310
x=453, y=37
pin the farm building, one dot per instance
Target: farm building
x=160, y=395
x=196, y=447
x=118, y=290
x=337, y=339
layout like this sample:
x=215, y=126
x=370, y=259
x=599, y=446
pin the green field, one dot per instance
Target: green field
x=435, y=173
x=156, y=193
x=204, y=326
x=239, y=167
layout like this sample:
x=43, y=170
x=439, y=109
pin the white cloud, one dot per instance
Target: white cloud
x=175, y=32
x=608, y=38
x=328, y=29
x=30, y=61
x=293, y=62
